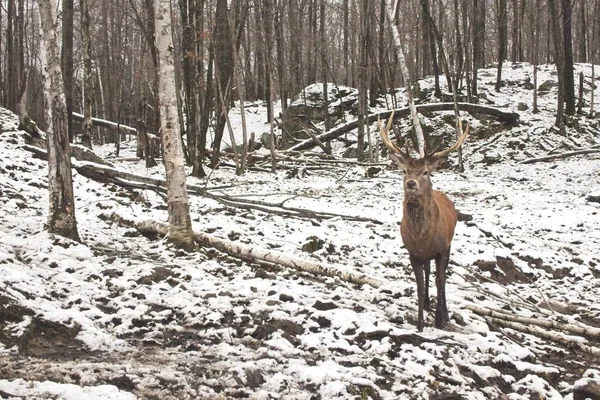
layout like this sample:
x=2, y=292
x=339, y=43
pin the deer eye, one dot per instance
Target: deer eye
x=425, y=173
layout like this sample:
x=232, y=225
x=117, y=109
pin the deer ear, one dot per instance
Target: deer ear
x=437, y=162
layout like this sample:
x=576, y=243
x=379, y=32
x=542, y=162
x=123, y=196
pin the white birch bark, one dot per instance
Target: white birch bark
x=406, y=78
x=61, y=216
x=575, y=328
x=253, y=254
x=180, y=225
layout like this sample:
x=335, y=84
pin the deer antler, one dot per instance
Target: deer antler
x=384, y=132
x=456, y=145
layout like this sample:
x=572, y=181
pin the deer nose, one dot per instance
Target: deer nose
x=411, y=184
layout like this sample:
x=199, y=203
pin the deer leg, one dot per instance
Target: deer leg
x=418, y=270
x=441, y=312
x=427, y=270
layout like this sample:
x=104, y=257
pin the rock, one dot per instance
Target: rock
x=593, y=197
x=322, y=321
x=307, y=110
x=589, y=390
x=286, y=298
x=491, y=157
x=254, y=378
x=373, y=171
x=350, y=152
x=313, y=244
x=458, y=318
x=522, y=107
x=262, y=274
x=546, y=86
x=112, y=273
x=321, y=306
x=289, y=327
x=158, y=274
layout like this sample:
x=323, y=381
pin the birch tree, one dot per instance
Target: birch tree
x=61, y=216
x=180, y=224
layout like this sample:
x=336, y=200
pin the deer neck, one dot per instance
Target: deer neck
x=420, y=213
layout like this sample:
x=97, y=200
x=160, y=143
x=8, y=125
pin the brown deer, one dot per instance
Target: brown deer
x=428, y=222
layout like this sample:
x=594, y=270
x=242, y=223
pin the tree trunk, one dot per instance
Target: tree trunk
x=362, y=80
x=514, y=32
x=295, y=49
x=407, y=81
x=439, y=40
x=535, y=12
x=560, y=64
x=346, y=44
x=88, y=78
x=281, y=64
x=188, y=35
x=459, y=46
x=11, y=62
x=67, y=59
x=180, y=225
x=224, y=69
x=478, y=40
x=569, y=79
x=583, y=35
x=502, y=39
x=61, y=217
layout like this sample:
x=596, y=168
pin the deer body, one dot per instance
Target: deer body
x=428, y=223
x=428, y=226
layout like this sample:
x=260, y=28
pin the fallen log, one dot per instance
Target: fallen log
x=571, y=342
x=560, y=156
x=78, y=152
x=509, y=118
x=252, y=254
x=126, y=179
x=578, y=329
x=106, y=124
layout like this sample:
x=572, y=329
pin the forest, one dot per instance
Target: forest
x=221, y=200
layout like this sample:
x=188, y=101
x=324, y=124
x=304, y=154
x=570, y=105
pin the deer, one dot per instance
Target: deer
x=428, y=222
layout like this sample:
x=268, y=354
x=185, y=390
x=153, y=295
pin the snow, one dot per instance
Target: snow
x=106, y=327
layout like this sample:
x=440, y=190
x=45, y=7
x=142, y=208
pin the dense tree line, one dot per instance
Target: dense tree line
x=175, y=68
x=265, y=49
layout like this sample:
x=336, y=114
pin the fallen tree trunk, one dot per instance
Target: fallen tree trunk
x=128, y=180
x=106, y=124
x=571, y=342
x=253, y=254
x=78, y=152
x=545, y=323
x=506, y=117
x=560, y=156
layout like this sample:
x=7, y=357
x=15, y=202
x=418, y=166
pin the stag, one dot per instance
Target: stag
x=428, y=222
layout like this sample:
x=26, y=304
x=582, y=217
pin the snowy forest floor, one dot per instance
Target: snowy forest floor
x=123, y=316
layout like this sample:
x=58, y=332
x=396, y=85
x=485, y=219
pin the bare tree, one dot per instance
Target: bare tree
x=180, y=225
x=88, y=79
x=61, y=217
x=224, y=67
x=67, y=59
x=558, y=51
x=502, y=39
x=478, y=40
x=568, y=78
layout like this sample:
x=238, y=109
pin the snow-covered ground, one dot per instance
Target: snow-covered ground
x=121, y=316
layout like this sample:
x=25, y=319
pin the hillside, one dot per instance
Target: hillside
x=124, y=316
